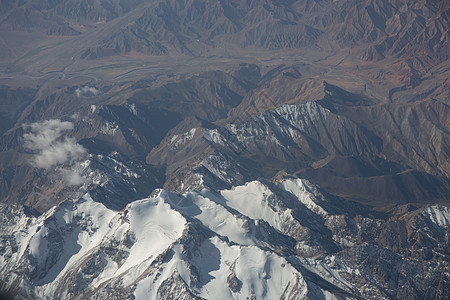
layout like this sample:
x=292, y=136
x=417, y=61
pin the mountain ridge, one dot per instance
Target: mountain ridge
x=298, y=201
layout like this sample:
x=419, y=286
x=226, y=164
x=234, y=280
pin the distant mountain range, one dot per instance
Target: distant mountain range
x=407, y=29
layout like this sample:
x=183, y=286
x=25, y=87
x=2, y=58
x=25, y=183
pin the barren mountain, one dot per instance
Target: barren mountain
x=248, y=149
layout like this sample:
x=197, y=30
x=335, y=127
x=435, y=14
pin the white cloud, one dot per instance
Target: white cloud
x=73, y=177
x=52, y=149
x=86, y=91
x=44, y=134
x=65, y=151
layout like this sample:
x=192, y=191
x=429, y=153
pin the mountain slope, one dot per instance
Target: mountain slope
x=325, y=141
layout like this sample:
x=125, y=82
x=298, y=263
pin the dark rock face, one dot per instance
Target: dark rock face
x=234, y=283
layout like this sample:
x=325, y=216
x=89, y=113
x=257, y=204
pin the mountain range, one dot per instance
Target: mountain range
x=224, y=149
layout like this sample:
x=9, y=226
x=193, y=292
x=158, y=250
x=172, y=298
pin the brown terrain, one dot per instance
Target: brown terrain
x=118, y=99
x=381, y=66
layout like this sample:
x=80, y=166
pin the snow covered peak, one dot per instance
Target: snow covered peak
x=439, y=215
x=258, y=240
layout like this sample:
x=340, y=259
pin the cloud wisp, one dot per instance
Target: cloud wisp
x=86, y=91
x=52, y=148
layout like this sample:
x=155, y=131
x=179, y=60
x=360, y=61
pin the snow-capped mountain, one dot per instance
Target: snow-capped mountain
x=261, y=240
x=217, y=231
